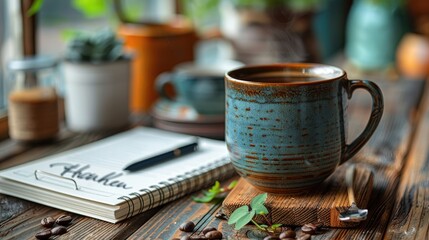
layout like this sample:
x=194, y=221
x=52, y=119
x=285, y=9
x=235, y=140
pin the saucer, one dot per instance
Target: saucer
x=182, y=118
x=216, y=130
x=171, y=111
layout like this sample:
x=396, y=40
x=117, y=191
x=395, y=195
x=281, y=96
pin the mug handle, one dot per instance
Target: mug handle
x=161, y=82
x=374, y=119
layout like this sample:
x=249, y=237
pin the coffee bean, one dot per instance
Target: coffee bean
x=287, y=238
x=47, y=222
x=58, y=230
x=318, y=225
x=198, y=237
x=63, y=220
x=214, y=235
x=221, y=215
x=304, y=237
x=187, y=226
x=45, y=234
x=271, y=238
x=313, y=226
x=208, y=229
x=287, y=234
x=308, y=229
x=285, y=228
x=194, y=237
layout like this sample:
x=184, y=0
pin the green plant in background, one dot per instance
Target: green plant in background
x=100, y=47
x=201, y=8
x=95, y=8
x=244, y=215
x=90, y=8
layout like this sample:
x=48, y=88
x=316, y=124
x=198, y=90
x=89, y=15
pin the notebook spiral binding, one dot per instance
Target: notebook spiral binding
x=176, y=187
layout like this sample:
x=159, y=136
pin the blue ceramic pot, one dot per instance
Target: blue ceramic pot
x=373, y=33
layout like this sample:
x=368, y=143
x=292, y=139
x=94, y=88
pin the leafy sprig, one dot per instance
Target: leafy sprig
x=245, y=214
x=214, y=192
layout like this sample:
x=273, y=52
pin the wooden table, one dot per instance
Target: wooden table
x=397, y=153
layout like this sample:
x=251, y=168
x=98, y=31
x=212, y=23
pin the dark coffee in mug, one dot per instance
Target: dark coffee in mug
x=270, y=74
x=286, y=78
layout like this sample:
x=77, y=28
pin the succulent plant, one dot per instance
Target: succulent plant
x=103, y=46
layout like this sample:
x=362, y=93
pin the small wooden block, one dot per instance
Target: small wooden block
x=319, y=205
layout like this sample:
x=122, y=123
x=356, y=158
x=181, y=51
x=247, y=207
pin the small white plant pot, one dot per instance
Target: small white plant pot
x=97, y=95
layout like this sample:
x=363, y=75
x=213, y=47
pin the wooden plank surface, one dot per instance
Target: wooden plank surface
x=390, y=141
x=319, y=205
x=384, y=154
x=410, y=219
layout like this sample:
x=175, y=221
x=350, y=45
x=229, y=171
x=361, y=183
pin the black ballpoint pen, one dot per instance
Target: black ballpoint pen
x=147, y=162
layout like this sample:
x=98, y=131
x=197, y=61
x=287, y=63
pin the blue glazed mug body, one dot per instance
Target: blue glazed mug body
x=286, y=123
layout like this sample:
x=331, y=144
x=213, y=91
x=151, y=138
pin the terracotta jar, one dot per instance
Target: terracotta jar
x=157, y=48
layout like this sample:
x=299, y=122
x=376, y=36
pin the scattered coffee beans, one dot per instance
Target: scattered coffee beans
x=287, y=234
x=58, y=230
x=213, y=235
x=208, y=229
x=47, y=222
x=63, y=220
x=45, y=234
x=187, y=226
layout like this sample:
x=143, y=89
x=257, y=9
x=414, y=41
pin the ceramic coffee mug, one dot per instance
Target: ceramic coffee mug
x=286, y=124
x=201, y=87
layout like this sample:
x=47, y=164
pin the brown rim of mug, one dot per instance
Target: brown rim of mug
x=232, y=74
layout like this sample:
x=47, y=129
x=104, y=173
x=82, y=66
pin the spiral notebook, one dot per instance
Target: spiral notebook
x=90, y=180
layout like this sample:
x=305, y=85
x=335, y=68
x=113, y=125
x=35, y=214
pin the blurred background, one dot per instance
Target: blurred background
x=211, y=37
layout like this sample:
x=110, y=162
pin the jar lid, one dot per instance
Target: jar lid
x=32, y=63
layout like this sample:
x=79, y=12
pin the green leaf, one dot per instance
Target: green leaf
x=238, y=213
x=210, y=194
x=35, y=7
x=244, y=220
x=275, y=226
x=260, y=209
x=215, y=188
x=91, y=8
x=258, y=200
x=208, y=197
x=232, y=184
x=257, y=204
x=204, y=199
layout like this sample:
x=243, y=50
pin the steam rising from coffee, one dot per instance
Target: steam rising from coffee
x=274, y=35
